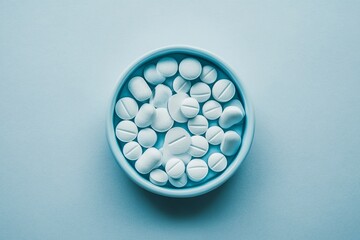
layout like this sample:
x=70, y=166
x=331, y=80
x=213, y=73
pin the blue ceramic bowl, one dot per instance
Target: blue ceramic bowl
x=211, y=184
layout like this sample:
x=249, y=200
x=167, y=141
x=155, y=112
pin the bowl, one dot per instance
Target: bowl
x=247, y=134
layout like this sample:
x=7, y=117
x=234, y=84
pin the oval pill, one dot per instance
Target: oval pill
x=231, y=116
x=152, y=75
x=177, y=140
x=175, y=168
x=214, y=135
x=145, y=115
x=162, y=120
x=197, y=170
x=126, y=108
x=199, y=146
x=167, y=66
x=158, y=177
x=174, y=107
x=149, y=160
x=132, y=150
x=139, y=88
x=208, y=74
x=126, y=131
x=230, y=143
x=198, y=125
x=181, y=85
x=223, y=90
x=147, y=137
x=212, y=110
x=217, y=162
x=179, y=182
x=200, y=91
x=190, y=107
x=161, y=96
x=190, y=68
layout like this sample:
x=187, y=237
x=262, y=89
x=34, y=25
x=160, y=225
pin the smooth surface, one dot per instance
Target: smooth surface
x=59, y=63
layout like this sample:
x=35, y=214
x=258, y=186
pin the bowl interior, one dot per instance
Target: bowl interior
x=212, y=180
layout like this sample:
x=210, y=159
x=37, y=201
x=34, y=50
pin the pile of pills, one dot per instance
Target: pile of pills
x=179, y=120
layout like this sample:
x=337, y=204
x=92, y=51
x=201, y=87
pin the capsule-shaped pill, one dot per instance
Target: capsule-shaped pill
x=150, y=159
x=230, y=143
x=231, y=116
x=145, y=115
x=139, y=89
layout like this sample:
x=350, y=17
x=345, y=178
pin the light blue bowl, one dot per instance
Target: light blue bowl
x=247, y=137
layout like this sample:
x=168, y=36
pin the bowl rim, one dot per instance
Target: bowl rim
x=247, y=138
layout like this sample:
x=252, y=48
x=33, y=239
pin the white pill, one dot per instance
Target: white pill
x=158, y=177
x=198, y=125
x=126, y=108
x=223, y=90
x=152, y=75
x=166, y=155
x=200, y=91
x=230, y=143
x=139, y=89
x=126, y=131
x=161, y=96
x=174, y=105
x=199, y=146
x=208, y=74
x=214, y=135
x=190, y=68
x=167, y=66
x=217, y=162
x=197, y=170
x=181, y=85
x=212, y=110
x=175, y=168
x=147, y=137
x=145, y=115
x=150, y=159
x=231, y=116
x=132, y=150
x=162, y=120
x=190, y=107
x=179, y=182
x=177, y=140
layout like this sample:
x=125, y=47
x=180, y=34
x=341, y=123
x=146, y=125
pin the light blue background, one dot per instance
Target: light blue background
x=59, y=62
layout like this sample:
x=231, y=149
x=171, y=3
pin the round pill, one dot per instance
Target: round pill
x=132, y=150
x=190, y=107
x=161, y=96
x=230, y=143
x=139, y=88
x=175, y=168
x=223, y=90
x=166, y=155
x=200, y=91
x=217, y=162
x=177, y=140
x=197, y=170
x=158, y=177
x=167, y=66
x=179, y=182
x=147, y=137
x=212, y=110
x=208, y=74
x=199, y=146
x=152, y=75
x=174, y=105
x=126, y=131
x=149, y=160
x=232, y=114
x=198, y=125
x=181, y=85
x=190, y=68
x=126, y=108
x=145, y=115
x=214, y=135
x=162, y=120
